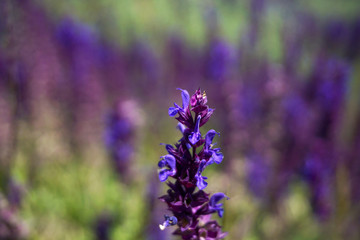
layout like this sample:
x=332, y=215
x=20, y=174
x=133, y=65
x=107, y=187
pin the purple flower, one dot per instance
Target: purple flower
x=168, y=167
x=200, y=183
x=191, y=209
x=195, y=136
x=258, y=175
x=216, y=156
x=120, y=136
x=185, y=103
x=169, y=221
x=215, y=205
x=218, y=60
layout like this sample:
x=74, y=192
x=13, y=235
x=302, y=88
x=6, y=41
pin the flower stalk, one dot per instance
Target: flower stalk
x=185, y=162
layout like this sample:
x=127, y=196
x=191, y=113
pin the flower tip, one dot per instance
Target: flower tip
x=162, y=227
x=169, y=221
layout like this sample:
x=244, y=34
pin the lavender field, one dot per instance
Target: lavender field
x=90, y=134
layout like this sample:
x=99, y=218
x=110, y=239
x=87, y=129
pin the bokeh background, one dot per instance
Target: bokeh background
x=84, y=92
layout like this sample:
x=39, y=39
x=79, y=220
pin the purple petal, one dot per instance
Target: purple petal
x=213, y=203
x=216, y=197
x=194, y=137
x=201, y=184
x=185, y=98
x=202, y=166
x=217, y=157
x=220, y=212
x=173, y=111
x=181, y=127
x=209, y=137
x=161, y=164
x=163, y=175
x=197, y=124
x=169, y=221
x=171, y=161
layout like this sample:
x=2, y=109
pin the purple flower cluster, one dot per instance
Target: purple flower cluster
x=289, y=130
x=185, y=163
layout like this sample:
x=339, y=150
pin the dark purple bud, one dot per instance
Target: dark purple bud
x=206, y=116
x=198, y=99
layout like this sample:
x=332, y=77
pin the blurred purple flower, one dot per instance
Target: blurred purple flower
x=258, y=175
x=102, y=226
x=11, y=226
x=218, y=60
x=317, y=172
x=121, y=124
x=15, y=194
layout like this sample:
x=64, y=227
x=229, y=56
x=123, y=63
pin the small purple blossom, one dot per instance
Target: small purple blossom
x=191, y=209
x=195, y=136
x=217, y=206
x=167, y=167
x=216, y=156
x=185, y=103
x=200, y=180
x=169, y=221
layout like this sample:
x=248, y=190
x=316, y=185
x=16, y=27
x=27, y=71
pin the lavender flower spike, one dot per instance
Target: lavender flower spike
x=191, y=208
